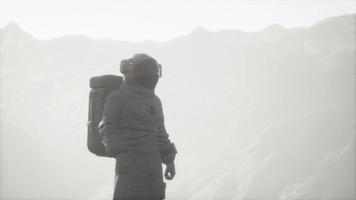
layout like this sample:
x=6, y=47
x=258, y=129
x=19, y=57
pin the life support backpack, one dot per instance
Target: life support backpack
x=101, y=87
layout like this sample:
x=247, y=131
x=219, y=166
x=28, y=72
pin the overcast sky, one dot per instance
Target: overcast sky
x=160, y=20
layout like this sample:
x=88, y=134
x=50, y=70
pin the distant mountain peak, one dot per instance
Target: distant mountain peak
x=200, y=30
x=13, y=32
x=13, y=27
x=343, y=22
x=274, y=28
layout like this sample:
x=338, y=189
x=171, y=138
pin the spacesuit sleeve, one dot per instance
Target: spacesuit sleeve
x=108, y=127
x=168, y=150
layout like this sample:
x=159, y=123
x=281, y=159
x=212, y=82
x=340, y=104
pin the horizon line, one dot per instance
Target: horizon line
x=193, y=30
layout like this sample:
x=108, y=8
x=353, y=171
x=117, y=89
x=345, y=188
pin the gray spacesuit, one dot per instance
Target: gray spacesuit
x=134, y=133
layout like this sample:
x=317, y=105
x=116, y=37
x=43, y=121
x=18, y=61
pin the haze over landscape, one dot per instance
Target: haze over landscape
x=161, y=20
x=268, y=114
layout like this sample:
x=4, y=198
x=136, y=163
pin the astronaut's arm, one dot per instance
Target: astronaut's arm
x=168, y=149
x=109, y=126
x=112, y=140
x=168, y=152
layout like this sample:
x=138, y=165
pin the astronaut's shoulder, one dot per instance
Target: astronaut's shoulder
x=157, y=99
x=115, y=95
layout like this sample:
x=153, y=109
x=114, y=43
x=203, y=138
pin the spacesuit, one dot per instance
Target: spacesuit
x=134, y=133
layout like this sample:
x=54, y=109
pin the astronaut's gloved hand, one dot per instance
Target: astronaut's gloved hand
x=170, y=171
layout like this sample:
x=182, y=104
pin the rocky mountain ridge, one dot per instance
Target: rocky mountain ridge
x=262, y=115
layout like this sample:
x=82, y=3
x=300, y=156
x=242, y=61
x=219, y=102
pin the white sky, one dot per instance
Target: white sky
x=160, y=20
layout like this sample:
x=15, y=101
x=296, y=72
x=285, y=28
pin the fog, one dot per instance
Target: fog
x=268, y=114
x=161, y=20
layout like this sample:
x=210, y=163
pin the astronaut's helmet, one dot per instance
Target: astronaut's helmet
x=141, y=69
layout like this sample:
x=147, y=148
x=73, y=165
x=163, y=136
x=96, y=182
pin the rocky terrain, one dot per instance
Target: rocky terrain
x=254, y=115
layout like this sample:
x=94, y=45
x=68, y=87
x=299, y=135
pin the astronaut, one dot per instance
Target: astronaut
x=134, y=133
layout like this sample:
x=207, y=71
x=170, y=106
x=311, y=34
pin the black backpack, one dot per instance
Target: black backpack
x=101, y=87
